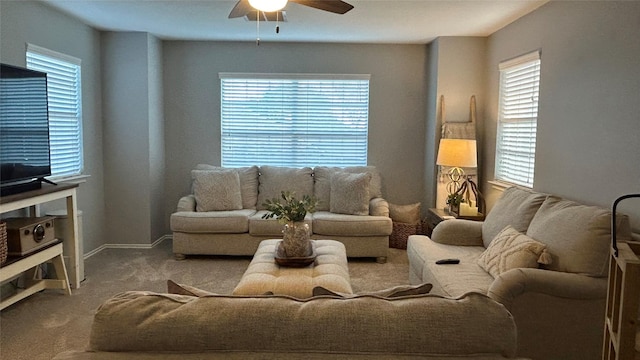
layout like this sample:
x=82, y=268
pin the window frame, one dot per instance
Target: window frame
x=517, y=120
x=293, y=121
x=65, y=125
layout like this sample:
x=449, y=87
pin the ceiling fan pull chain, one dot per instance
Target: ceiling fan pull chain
x=277, y=22
x=257, y=27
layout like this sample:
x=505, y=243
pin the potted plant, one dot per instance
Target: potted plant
x=453, y=201
x=291, y=212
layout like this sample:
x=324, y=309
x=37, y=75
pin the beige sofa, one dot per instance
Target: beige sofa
x=559, y=305
x=223, y=215
x=144, y=325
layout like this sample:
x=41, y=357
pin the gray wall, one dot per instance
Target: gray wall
x=396, y=117
x=134, y=146
x=24, y=22
x=457, y=73
x=588, y=141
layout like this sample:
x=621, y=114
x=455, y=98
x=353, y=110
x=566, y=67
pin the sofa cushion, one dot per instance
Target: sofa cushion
x=216, y=190
x=214, y=222
x=322, y=188
x=577, y=236
x=274, y=180
x=270, y=227
x=350, y=193
x=448, y=280
x=248, y=183
x=327, y=223
x=509, y=250
x=516, y=207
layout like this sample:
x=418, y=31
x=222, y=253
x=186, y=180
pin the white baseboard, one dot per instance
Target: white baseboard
x=127, y=246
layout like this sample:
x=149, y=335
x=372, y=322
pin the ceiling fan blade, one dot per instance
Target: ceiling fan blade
x=334, y=6
x=241, y=9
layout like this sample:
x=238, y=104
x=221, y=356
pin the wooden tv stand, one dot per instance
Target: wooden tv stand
x=29, y=200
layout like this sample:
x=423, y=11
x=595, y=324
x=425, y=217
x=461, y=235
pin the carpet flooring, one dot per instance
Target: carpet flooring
x=47, y=323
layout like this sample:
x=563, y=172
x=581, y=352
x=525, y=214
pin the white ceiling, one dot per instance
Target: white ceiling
x=371, y=21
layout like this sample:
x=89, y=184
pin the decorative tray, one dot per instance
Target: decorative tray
x=299, y=261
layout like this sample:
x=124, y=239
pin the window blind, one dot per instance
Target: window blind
x=65, y=112
x=294, y=120
x=517, y=119
x=25, y=134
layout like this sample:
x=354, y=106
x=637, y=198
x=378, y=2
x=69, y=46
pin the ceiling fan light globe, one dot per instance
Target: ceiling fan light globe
x=268, y=5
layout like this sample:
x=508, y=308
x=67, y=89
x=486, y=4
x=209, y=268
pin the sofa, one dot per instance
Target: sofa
x=223, y=215
x=146, y=325
x=543, y=257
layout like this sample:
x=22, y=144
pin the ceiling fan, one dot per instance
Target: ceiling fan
x=243, y=7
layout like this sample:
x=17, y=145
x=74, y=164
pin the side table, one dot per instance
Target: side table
x=434, y=217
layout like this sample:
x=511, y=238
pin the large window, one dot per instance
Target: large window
x=65, y=111
x=294, y=120
x=517, y=119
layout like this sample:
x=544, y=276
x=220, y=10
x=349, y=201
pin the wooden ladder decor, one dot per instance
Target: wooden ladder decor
x=623, y=297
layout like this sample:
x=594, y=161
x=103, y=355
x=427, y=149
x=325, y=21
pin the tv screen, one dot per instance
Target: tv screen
x=24, y=126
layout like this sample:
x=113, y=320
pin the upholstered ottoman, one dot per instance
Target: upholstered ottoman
x=329, y=270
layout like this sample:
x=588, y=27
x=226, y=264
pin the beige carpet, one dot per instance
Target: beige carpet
x=48, y=322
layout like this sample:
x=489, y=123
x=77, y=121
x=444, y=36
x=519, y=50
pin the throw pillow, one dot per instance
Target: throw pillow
x=248, y=182
x=409, y=214
x=397, y=291
x=322, y=177
x=181, y=289
x=350, y=193
x=512, y=249
x=216, y=190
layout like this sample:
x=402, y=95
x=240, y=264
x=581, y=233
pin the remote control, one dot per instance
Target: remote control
x=448, y=261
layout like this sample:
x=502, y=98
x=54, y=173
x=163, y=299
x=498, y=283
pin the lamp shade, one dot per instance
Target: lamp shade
x=458, y=153
x=268, y=5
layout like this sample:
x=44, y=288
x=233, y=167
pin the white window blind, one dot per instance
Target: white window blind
x=24, y=132
x=294, y=119
x=65, y=111
x=517, y=119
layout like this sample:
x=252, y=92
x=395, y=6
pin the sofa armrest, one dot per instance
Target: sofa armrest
x=187, y=203
x=458, y=232
x=513, y=283
x=558, y=315
x=378, y=207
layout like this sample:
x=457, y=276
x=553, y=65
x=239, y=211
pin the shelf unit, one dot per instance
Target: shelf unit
x=71, y=277
x=623, y=299
x=34, y=282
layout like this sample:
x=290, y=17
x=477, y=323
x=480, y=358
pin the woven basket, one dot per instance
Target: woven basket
x=401, y=232
x=3, y=242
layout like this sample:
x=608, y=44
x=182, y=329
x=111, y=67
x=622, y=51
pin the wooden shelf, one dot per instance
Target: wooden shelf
x=34, y=284
x=30, y=199
x=623, y=299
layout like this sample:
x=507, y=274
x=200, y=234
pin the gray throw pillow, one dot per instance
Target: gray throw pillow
x=350, y=193
x=216, y=190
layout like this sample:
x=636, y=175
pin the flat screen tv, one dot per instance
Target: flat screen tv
x=25, y=158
